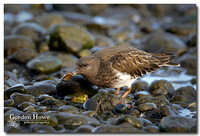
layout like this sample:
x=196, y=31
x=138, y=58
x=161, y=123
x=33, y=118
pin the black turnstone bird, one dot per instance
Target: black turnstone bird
x=119, y=66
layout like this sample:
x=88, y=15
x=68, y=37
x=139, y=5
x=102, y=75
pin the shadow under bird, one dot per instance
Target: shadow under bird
x=118, y=66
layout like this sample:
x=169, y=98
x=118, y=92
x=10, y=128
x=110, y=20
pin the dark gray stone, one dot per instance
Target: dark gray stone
x=19, y=98
x=42, y=87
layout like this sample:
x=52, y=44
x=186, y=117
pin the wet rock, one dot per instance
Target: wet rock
x=29, y=109
x=121, y=108
x=41, y=129
x=25, y=105
x=90, y=113
x=139, y=86
x=97, y=28
x=44, y=64
x=76, y=84
x=177, y=106
x=84, y=52
x=156, y=101
x=9, y=103
x=188, y=92
x=31, y=30
x=14, y=43
x=159, y=87
x=148, y=25
x=131, y=119
x=84, y=129
x=162, y=96
x=72, y=121
x=42, y=109
x=177, y=124
x=107, y=102
x=188, y=61
x=10, y=79
x=44, y=97
x=51, y=120
x=178, y=98
x=128, y=128
x=68, y=109
x=166, y=111
x=60, y=128
x=11, y=129
x=70, y=38
x=68, y=60
x=23, y=16
x=49, y=19
x=19, y=88
x=91, y=104
x=52, y=102
x=103, y=41
x=19, y=98
x=134, y=112
x=8, y=108
x=163, y=42
x=161, y=10
x=141, y=94
x=77, y=98
x=42, y=87
x=111, y=121
x=192, y=40
x=120, y=36
x=43, y=47
x=146, y=107
x=146, y=122
x=181, y=28
x=152, y=129
x=23, y=55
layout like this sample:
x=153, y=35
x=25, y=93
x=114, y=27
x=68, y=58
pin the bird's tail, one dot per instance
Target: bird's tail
x=166, y=59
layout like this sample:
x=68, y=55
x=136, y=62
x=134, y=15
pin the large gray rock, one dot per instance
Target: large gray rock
x=160, y=87
x=70, y=38
x=177, y=124
x=14, y=43
x=163, y=42
x=188, y=92
x=23, y=55
x=42, y=87
x=32, y=30
x=19, y=98
x=72, y=121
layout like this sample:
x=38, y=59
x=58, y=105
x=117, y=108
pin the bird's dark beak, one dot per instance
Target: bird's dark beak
x=68, y=76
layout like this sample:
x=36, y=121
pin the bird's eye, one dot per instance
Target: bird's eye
x=84, y=65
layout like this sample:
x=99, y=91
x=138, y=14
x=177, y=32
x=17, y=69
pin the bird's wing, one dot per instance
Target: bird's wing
x=137, y=63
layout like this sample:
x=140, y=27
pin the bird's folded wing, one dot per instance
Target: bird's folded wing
x=136, y=63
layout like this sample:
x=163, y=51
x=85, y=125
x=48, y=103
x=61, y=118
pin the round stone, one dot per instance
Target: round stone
x=44, y=64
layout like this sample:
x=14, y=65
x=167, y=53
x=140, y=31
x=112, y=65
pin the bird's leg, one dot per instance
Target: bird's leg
x=126, y=93
x=117, y=92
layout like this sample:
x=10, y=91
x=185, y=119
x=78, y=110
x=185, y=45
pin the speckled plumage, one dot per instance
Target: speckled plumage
x=120, y=65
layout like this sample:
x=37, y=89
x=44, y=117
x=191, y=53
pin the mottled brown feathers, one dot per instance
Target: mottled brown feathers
x=137, y=63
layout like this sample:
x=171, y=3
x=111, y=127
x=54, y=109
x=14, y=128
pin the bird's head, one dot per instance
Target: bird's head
x=86, y=66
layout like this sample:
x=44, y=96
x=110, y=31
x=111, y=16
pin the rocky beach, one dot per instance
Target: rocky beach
x=43, y=42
